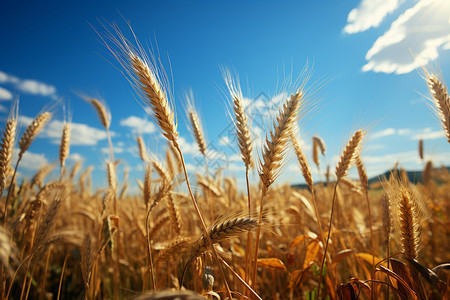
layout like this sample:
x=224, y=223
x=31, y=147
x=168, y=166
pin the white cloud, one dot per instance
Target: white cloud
x=36, y=88
x=382, y=133
x=188, y=148
x=424, y=133
x=5, y=78
x=429, y=134
x=76, y=157
x=29, y=86
x=30, y=161
x=117, y=150
x=5, y=94
x=81, y=134
x=138, y=125
x=369, y=13
x=413, y=40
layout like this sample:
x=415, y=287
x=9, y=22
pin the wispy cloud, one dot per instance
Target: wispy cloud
x=368, y=14
x=138, y=125
x=413, y=40
x=5, y=94
x=29, y=86
x=426, y=133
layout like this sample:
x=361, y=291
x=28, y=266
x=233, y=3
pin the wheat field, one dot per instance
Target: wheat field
x=340, y=238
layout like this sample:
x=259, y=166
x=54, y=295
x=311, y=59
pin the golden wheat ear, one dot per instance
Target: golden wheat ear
x=32, y=131
x=349, y=154
x=276, y=146
x=441, y=100
x=65, y=145
x=197, y=128
x=7, y=145
x=241, y=121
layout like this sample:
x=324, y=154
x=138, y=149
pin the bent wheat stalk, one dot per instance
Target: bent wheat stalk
x=272, y=157
x=345, y=161
x=143, y=76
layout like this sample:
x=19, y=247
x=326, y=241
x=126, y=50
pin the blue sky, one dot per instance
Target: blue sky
x=368, y=53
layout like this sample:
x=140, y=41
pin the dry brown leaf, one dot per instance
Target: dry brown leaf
x=273, y=263
x=311, y=253
x=299, y=239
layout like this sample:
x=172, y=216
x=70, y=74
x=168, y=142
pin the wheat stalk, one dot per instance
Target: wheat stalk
x=274, y=150
x=348, y=156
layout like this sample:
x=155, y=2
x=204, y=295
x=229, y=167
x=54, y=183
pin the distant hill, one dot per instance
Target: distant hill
x=413, y=176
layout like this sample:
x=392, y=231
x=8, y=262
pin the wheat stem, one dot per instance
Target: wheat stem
x=199, y=214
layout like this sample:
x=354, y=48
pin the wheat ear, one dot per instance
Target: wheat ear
x=147, y=186
x=176, y=246
x=304, y=166
x=349, y=154
x=410, y=229
x=196, y=125
x=306, y=171
x=86, y=261
x=174, y=214
x=32, y=130
x=155, y=96
x=276, y=146
x=6, y=150
x=421, y=149
x=223, y=231
x=64, y=146
x=142, y=149
x=218, y=233
x=241, y=120
x=318, y=144
x=441, y=101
